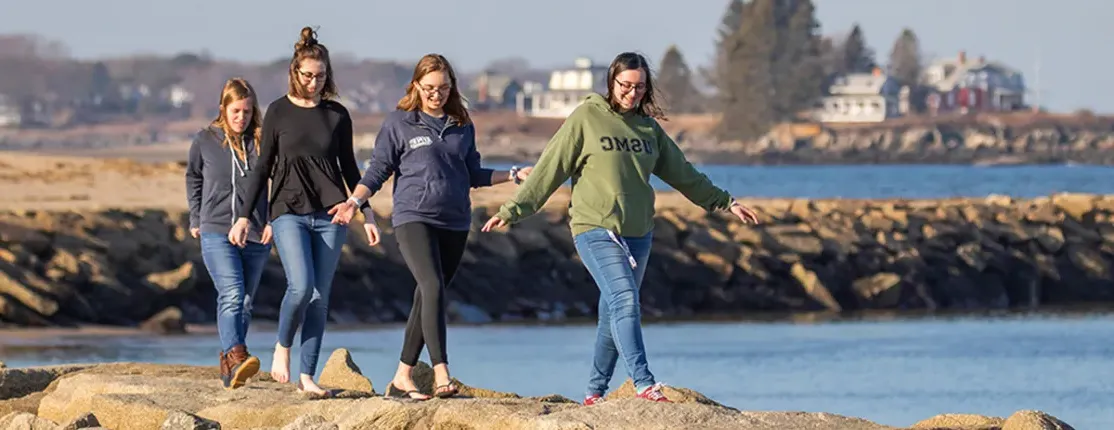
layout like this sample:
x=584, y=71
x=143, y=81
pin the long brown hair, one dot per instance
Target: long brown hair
x=234, y=90
x=454, y=104
x=308, y=48
x=647, y=106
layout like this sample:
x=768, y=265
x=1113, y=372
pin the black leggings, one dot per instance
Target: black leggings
x=432, y=254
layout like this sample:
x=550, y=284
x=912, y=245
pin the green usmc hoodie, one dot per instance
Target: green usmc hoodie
x=610, y=157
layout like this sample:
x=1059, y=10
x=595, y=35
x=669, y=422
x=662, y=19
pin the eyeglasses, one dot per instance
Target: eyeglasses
x=311, y=76
x=627, y=86
x=430, y=89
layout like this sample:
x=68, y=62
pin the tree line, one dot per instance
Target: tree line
x=771, y=64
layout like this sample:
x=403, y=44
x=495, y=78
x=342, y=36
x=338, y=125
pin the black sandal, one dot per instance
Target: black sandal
x=451, y=391
x=395, y=392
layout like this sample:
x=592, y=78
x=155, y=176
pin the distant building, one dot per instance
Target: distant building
x=10, y=113
x=566, y=90
x=962, y=85
x=860, y=97
x=493, y=91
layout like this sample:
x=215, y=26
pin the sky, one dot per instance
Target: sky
x=1057, y=36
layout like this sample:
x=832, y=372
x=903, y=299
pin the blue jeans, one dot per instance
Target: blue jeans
x=235, y=272
x=619, y=331
x=309, y=247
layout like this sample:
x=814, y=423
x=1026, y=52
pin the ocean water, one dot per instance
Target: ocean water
x=894, y=372
x=903, y=181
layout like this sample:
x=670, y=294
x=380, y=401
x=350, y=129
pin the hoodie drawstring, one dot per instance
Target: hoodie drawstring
x=626, y=249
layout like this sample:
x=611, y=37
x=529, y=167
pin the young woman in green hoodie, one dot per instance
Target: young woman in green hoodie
x=609, y=146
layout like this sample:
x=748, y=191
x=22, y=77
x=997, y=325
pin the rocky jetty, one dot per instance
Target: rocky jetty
x=1021, y=138
x=127, y=396
x=140, y=267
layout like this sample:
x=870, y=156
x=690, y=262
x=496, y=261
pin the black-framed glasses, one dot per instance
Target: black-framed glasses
x=311, y=76
x=627, y=86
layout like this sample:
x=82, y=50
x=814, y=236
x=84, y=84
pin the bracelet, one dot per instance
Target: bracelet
x=355, y=200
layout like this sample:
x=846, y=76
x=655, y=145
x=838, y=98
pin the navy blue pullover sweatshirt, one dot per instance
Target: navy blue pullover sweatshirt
x=435, y=164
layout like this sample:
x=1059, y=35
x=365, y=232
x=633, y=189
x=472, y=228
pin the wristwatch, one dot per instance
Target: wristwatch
x=355, y=200
x=514, y=175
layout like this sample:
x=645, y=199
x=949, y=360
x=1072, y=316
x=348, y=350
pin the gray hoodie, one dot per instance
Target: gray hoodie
x=213, y=176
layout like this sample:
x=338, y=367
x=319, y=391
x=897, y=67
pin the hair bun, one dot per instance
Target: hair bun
x=309, y=38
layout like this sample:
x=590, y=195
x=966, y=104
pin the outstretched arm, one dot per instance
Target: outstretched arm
x=481, y=177
x=673, y=168
x=557, y=162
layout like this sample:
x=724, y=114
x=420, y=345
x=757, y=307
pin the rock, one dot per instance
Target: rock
x=1074, y=205
x=1034, y=420
x=26, y=421
x=174, y=281
x=960, y=421
x=84, y=421
x=109, y=267
x=343, y=373
x=30, y=298
x=144, y=396
x=178, y=420
x=674, y=394
x=881, y=290
x=813, y=287
x=311, y=422
x=167, y=321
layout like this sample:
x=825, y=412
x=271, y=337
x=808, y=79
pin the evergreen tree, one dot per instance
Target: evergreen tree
x=857, y=56
x=717, y=74
x=674, y=83
x=905, y=58
x=749, y=90
x=797, y=68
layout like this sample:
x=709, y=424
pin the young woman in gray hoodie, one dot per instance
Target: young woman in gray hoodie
x=219, y=161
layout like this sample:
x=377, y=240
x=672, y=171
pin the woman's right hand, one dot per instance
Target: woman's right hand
x=238, y=235
x=493, y=223
x=372, y=233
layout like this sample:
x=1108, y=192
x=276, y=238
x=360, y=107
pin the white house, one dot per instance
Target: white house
x=10, y=115
x=860, y=97
x=567, y=89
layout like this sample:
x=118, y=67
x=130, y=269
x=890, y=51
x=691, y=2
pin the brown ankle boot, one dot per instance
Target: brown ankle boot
x=241, y=366
x=225, y=371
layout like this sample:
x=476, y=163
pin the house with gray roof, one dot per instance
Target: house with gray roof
x=960, y=84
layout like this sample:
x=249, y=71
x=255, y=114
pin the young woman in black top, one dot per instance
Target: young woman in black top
x=306, y=151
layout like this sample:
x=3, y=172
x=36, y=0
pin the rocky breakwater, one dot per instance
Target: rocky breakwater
x=126, y=267
x=990, y=139
x=126, y=396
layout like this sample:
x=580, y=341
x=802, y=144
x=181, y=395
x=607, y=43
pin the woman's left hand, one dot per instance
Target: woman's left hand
x=744, y=213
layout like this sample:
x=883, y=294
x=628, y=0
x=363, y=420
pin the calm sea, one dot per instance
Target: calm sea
x=891, y=372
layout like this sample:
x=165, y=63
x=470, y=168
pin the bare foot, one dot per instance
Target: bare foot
x=280, y=364
x=306, y=384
